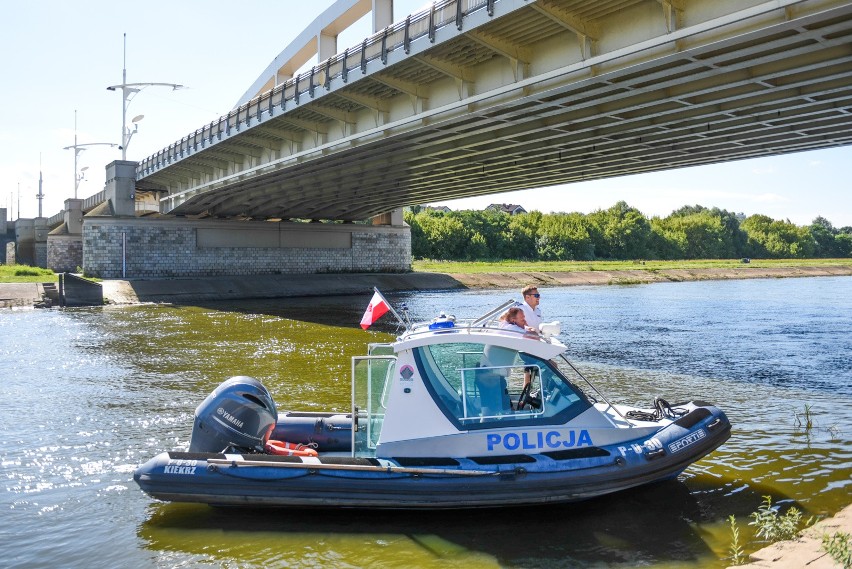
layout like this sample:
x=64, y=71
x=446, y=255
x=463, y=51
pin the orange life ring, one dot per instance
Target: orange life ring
x=289, y=449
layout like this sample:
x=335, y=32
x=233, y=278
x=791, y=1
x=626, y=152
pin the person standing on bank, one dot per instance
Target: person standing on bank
x=532, y=312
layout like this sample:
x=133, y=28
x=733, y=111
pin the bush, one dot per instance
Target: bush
x=773, y=527
x=839, y=547
x=738, y=556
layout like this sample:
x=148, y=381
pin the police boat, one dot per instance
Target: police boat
x=450, y=415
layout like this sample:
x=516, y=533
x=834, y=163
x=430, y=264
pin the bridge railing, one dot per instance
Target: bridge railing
x=89, y=204
x=397, y=36
x=56, y=219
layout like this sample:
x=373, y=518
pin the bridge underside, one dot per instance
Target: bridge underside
x=540, y=93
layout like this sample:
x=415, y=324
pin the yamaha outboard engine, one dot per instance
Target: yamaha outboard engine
x=239, y=413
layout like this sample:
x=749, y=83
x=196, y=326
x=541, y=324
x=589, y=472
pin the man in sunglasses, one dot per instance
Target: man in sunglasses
x=530, y=306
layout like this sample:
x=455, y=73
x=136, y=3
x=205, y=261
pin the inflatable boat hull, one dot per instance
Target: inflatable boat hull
x=335, y=481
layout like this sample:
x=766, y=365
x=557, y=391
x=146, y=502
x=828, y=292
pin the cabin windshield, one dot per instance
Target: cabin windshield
x=480, y=385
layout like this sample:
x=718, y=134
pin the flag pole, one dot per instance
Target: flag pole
x=401, y=321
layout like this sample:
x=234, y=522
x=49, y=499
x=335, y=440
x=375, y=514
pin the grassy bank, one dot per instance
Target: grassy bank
x=474, y=267
x=26, y=274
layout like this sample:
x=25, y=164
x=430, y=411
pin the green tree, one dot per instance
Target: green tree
x=520, y=236
x=825, y=236
x=730, y=239
x=420, y=245
x=564, y=237
x=491, y=226
x=779, y=239
x=700, y=235
x=844, y=244
x=664, y=242
x=620, y=232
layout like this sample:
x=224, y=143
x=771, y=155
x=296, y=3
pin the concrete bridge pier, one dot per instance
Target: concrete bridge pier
x=65, y=242
x=117, y=244
x=5, y=239
x=121, y=187
x=31, y=242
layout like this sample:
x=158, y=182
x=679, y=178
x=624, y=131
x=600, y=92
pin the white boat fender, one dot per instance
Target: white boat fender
x=549, y=329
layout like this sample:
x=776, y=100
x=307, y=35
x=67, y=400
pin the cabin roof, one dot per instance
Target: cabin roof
x=421, y=335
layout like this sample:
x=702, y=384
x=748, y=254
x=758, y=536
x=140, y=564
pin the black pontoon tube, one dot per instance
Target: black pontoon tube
x=320, y=466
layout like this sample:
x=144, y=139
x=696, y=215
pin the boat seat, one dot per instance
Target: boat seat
x=493, y=393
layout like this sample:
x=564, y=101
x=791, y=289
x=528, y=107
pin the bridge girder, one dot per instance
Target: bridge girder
x=666, y=86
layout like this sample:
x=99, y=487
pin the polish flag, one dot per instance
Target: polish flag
x=375, y=310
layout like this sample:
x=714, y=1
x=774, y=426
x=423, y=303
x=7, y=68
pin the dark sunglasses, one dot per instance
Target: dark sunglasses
x=535, y=294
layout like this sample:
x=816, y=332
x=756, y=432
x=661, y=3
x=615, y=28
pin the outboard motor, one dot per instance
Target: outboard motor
x=239, y=413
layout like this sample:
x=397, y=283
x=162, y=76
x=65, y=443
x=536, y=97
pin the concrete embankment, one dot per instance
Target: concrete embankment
x=187, y=290
x=20, y=295
x=183, y=291
x=806, y=551
x=286, y=286
x=641, y=276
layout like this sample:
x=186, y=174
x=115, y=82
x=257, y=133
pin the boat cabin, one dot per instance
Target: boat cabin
x=464, y=390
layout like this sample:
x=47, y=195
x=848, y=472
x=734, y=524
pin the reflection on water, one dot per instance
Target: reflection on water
x=586, y=534
x=89, y=394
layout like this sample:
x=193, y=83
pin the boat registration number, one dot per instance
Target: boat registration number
x=689, y=439
x=180, y=467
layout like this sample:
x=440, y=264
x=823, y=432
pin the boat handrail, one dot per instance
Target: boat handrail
x=315, y=464
x=422, y=328
x=596, y=390
x=491, y=313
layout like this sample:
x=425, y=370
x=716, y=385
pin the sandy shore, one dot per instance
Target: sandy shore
x=806, y=551
x=640, y=276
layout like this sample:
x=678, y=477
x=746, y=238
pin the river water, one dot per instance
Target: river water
x=89, y=394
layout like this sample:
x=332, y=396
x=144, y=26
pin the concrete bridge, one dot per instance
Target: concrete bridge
x=472, y=97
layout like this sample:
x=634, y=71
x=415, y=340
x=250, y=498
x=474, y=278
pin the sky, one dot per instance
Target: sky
x=59, y=57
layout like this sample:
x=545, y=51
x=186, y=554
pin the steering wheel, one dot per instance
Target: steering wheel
x=522, y=398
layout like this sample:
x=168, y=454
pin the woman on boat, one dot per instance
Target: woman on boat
x=515, y=320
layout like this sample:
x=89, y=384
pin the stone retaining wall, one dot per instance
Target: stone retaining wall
x=64, y=253
x=144, y=248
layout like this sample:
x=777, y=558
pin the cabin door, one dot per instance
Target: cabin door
x=371, y=381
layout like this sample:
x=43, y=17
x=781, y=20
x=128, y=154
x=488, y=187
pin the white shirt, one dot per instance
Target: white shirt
x=532, y=315
x=514, y=327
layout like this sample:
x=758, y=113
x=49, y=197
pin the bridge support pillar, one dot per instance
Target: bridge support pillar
x=382, y=15
x=121, y=187
x=326, y=45
x=125, y=247
x=31, y=242
x=4, y=237
x=394, y=217
x=65, y=243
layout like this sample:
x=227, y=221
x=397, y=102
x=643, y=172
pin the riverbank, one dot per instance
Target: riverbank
x=181, y=291
x=642, y=276
x=188, y=290
x=20, y=295
x=806, y=550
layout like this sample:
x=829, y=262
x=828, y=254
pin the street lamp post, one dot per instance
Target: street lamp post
x=128, y=90
x=78, y=148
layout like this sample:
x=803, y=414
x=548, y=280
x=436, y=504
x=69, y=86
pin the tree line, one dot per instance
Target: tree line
x=618, y=233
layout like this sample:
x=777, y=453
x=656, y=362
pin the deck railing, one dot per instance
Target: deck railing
x=305, y=85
